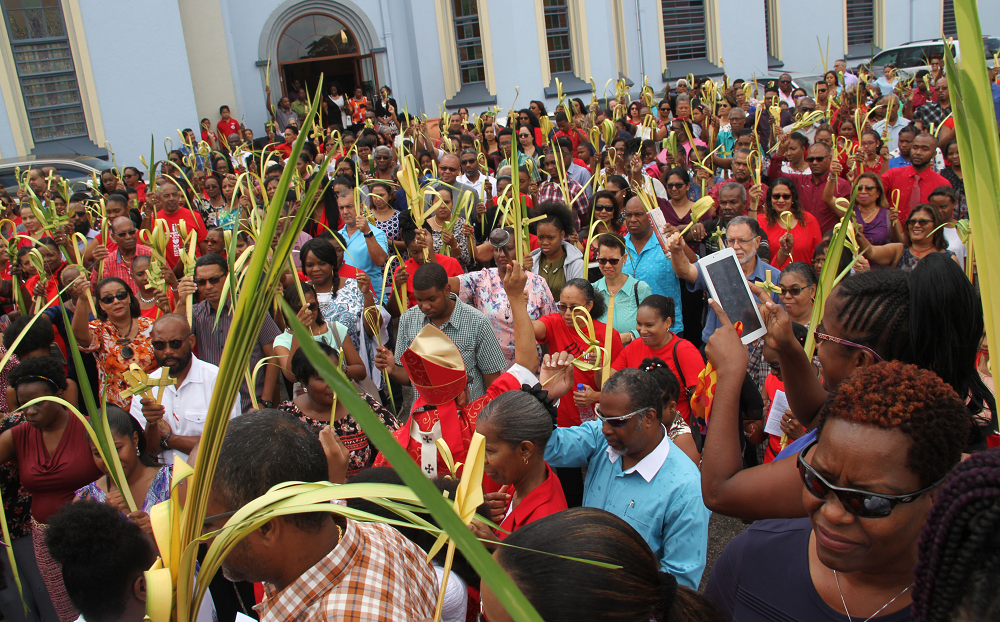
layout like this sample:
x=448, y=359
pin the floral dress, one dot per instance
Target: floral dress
x=16, y=500
x=362, y=452
x=110, y=362
x=463, y=246
x=159, y=489
x=346, y=308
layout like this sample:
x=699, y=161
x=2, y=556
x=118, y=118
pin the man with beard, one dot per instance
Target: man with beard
x=174, y=425
x=743, y=238
x=79, y=217
x=635, y=471
x=118, y=260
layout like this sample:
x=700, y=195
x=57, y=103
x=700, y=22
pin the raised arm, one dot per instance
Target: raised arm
x=682, y=265
x=525, y=351
x=768, y=491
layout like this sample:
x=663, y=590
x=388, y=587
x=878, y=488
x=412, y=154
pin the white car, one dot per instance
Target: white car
x=912, y=57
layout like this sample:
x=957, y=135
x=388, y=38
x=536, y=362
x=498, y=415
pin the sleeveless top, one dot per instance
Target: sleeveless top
x=908, y=261
x=53, y=480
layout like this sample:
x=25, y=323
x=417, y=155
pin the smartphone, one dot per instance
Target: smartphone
x=728, y=286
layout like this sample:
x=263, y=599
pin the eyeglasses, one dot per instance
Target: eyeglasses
x=608, y=260
x=739, y=241
x=784, y=81
x=867, y=188
x=805, y=109
x=794, y=290
x=382, y=157
x=860, y=503
x=212, y=279
x=849, y=344
x=923, y=222
x=816, y=159
x=160, y=345
x=781, y=197
x=448, y=168
x=616, y=422
x=675, y=186
x=563, y=307
x=468, y=162
x=125, y=234
x=604, y=207
x=211, y=519
x=110, y=298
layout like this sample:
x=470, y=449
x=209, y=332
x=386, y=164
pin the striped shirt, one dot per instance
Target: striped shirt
x=471, y=332
x=115, y=266
x=212, y=340
x=373, y=574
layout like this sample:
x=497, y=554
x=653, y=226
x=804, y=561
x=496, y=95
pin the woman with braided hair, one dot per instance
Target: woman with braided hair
x=958, y=563
x=885, y=441
x=635, y=589
x=869, y=317
x=516, y=426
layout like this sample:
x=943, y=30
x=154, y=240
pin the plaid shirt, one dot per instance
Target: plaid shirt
x=471, y=332
x=114, y=266
x=932, y=113
x=551, y=191
x=373, y=574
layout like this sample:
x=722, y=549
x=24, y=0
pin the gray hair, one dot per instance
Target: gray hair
x=732, y=185
x=518, y=416
x=739, y=112
x=744, y=220
x=683, y=97
x=642, y=391
x=382, y=148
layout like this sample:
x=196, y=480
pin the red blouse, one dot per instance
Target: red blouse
x=807, y=237
x=53, y=480
x=547, y=498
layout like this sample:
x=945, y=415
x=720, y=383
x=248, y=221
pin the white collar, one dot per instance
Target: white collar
x=649, y=466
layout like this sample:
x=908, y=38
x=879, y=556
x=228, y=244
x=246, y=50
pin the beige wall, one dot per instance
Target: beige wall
x=208, y=57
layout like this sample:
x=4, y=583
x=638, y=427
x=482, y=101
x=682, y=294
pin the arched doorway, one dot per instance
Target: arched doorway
x=317, y=43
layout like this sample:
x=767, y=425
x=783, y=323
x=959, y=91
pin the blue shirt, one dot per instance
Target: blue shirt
x=759, y=274
x=652, y=267
x=660, y=497
x=357, y=255
x=898, y=162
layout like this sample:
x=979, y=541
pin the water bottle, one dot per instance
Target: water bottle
x=586, y=412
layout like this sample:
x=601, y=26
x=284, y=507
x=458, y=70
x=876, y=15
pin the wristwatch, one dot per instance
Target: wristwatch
x=163, y=440
x=266, y=404
x=370, y=234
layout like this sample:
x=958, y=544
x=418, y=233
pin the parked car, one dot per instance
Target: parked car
x=912, y=57
x=75, y=169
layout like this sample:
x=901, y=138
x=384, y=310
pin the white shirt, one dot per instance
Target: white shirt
x=955, y=244
x=649, y=466
x=185, y=406
x=478, y=184
x=892, y=140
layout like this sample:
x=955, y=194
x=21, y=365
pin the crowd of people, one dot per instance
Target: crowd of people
x=581, y=358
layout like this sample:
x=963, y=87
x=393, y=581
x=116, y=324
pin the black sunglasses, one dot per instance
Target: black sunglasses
x=860, y=503
x=110, y=298
x=125, y=234
x=600, y=207
x=794, y=290
x=675, y=186
x=812, y=159
x=212, y=279
x=781, y=197
x=160, y=345
x=611, y=260
x=923, y=222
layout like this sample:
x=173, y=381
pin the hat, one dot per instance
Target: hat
x=435, y=366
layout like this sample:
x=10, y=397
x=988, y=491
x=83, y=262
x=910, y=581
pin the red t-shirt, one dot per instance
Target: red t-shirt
x=226, y=127
x=561, y=338
x=284, y=149
x=450, y=265
x=687, y=355
x=193, y=220
x=807, y=237
x=547, y=498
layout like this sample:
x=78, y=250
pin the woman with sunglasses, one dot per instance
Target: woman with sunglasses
x=526, y=143
x=869, y=317
x=796, y=242
x=880, y=224
x=133, y=179
x=626, y=290
x=923, y=236
x=333, y=334
x=798, y=291
x=855, y=499
x=53, y=459
x=313, y=407
x=119, y=337
x=634, y=117
x=678, y=211
x=605, y=212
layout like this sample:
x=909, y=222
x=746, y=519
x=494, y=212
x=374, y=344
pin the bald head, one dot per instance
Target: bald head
x=124, y=234
x=171, y=323
x=449, y=167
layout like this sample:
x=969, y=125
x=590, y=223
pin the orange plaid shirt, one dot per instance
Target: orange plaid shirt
x=374, y=573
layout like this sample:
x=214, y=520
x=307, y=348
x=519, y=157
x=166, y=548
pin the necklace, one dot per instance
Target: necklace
x=144, y=300
x=849, y=618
